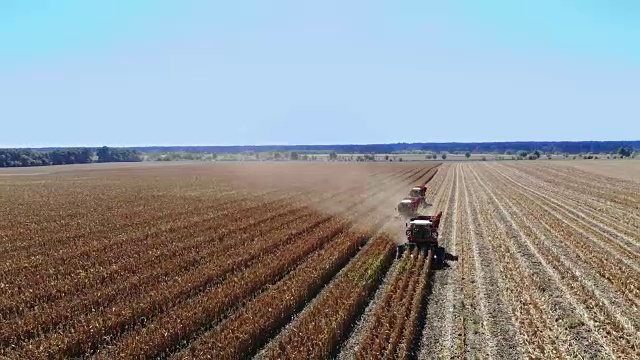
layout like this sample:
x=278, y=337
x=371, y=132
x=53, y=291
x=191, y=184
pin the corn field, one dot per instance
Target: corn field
x=298, y=261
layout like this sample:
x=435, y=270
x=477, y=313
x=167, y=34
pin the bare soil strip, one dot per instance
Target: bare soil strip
x=438, y=335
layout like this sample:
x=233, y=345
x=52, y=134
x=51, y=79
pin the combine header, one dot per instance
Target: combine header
x=422, y=233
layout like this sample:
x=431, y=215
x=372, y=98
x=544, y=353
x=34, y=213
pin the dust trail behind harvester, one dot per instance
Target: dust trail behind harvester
x=380, y=185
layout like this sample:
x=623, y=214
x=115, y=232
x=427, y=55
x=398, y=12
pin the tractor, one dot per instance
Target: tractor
x=422, y=233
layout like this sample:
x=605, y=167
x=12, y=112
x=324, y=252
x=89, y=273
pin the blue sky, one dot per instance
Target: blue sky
x=199, y=72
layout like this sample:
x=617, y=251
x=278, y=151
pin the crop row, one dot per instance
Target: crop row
x=82, y=271
x=320, y=328
x=155, y=338
x=385, y=330
x=241, y=335
x=116, y=313
x=593, y=245
x=578, y=274
x=317, y=331
x=618, y=223
x=190, y=252
x=512, y=233
x=196, y=273
x=393, y=323
x=136, y=306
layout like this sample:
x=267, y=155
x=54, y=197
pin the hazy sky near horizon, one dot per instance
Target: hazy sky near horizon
x=199, y=72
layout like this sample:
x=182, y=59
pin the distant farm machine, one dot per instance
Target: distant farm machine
x=418, y=191
x=410, y=206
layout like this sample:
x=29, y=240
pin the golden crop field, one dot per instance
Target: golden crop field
x=294, y=260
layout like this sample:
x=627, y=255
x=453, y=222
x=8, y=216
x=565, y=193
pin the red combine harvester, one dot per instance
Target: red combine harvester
x=422, y=233
x=410, y=206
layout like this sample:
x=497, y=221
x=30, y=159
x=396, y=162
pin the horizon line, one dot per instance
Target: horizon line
x=332, y=144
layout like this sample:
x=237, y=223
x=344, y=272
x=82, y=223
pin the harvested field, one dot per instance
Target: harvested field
x=297, y=260
x=623, y=169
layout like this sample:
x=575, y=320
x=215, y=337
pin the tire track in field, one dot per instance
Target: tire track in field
x=623, y=222
x=485, y=311
x=601, y=309
x=471, y=308
x=623, y=219
x=613, y=321
x=530, y=303
x=437, y=338
x=625, y=246
x=618, y=186
x=625, y=238
x=623, y=192
x=595, y=312
x=623, y=274
x=554, y=299
x=497, y=329
x=597, y=195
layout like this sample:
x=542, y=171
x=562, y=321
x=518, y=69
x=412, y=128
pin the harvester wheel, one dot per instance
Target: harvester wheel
x=423, y=250
x=399, y=251
x=439, y=256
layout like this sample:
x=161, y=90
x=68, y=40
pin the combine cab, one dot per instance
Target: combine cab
x=422, y=233
x=418, y=191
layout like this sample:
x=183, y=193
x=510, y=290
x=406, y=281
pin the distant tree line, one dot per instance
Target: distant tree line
x=107, y=154
x=508, y=148
x=182, y=155
x=28, y=157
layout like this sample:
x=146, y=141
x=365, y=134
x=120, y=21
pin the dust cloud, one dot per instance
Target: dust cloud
x=354, y=191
